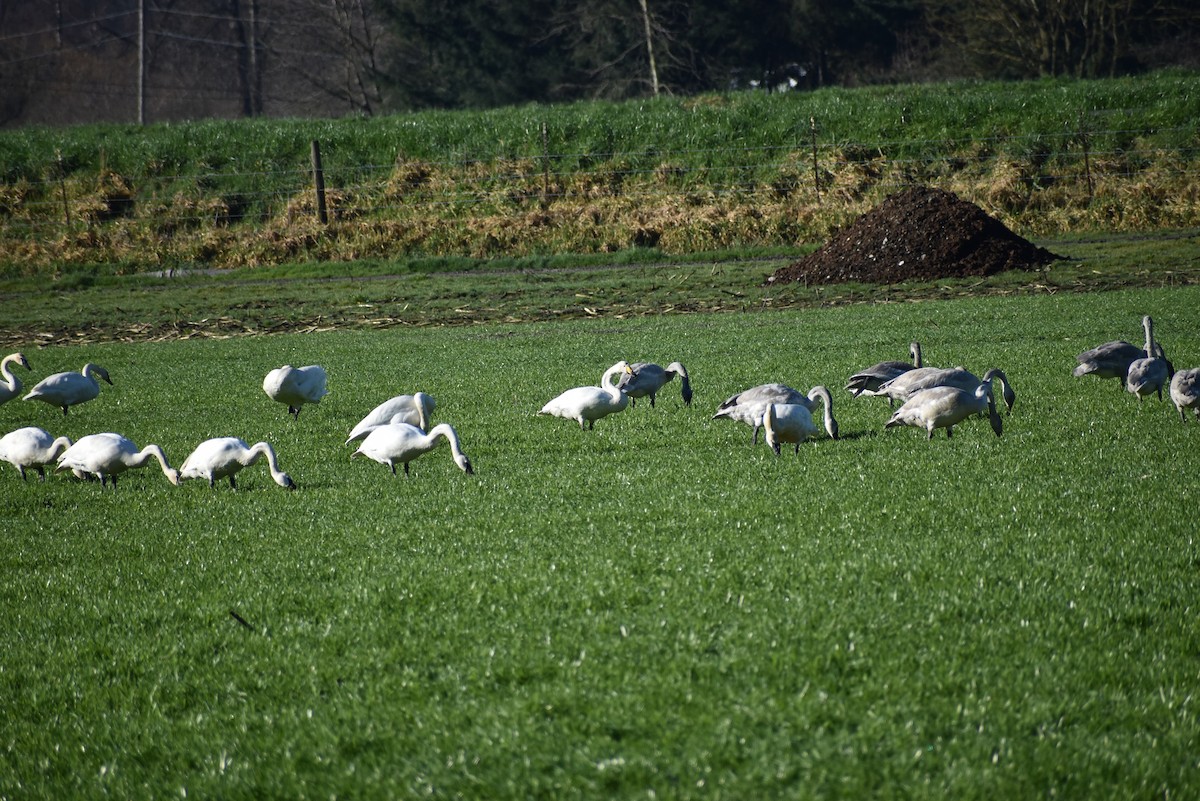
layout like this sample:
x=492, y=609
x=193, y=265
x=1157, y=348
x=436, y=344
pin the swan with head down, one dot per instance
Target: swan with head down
x=946, y=407
x=647, y=378
x=225, y=457
x=106, y=456
x=400, y=443
x=749, y=406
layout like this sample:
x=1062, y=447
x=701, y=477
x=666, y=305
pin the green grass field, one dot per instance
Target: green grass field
x=653, y=609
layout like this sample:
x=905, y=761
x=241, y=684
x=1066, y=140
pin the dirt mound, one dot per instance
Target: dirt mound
x=917, y=234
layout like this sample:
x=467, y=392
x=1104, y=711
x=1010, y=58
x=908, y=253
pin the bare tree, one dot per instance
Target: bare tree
x=336, y=52
x=1026, y=38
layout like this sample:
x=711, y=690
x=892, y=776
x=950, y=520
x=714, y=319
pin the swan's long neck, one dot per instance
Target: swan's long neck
x=155, y=452
x=607, y=384
x=915, y=350
x=686, y=388
x=58, y=447
x=446, y=432
x=422, y=402
x=1148, y=324
x=14, y=383
x=260, y=449
x=821, y=393
x=984, y=399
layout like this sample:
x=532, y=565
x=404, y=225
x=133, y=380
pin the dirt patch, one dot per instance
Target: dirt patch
x=917, y=234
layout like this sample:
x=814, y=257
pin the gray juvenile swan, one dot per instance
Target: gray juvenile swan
x=750, y=405
x=224, y=457
x=1112, y=359
x=646, y=378
x=868, y=381
x=69, y=389
x=946, y=407
x=908, y=384
x=1151, y=372
x=1185, y=392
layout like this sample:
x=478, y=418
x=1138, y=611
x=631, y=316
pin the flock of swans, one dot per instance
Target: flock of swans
x=398, y=430
x=395, y=432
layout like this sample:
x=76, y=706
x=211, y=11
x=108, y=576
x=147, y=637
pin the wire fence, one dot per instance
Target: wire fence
x=801, y=172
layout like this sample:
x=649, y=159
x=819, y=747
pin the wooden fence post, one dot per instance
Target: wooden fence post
x=319, y=182
x=1087, y=161
x=62, y=187
x=812, y=125
x=545, y=166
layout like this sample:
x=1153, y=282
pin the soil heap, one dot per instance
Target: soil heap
x=917, y=234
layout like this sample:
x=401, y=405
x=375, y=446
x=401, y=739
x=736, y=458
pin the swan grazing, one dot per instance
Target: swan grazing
x=1185, y=392
x=750, y=405
x=106, y=456
x=946, y=407
x=589, y=404
x=1151, y=372
x=296, y=386
x=69, y=389
x=793, y=422
x=1112, y=359
x=908, y=384
x=11, y=386
x=867, y=382
x=31, y=447
x=223, y=457
x=411, y=409
x=401, y=442
x=647, y=379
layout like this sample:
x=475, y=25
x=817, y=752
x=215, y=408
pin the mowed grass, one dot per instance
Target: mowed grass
x=653, y=609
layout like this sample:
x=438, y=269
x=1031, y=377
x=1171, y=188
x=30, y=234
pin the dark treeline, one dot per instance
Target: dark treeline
x=73, y=61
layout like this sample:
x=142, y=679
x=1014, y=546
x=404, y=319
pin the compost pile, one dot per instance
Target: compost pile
x=917, y=234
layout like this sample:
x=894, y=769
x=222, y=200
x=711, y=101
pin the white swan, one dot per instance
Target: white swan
x=946, y=407
x=411, y=409
x=31, y=447
x=223, y=457
x=1151, y=372
x=296, y=386
x=589, y=404
x=69, y=389
x=647, y=378
x=750, y=405
x=11, y=386
x=868, y=381
x=793, y=422
x=400, y=442
x=108, y=455
x=907, y=384
x=1112, y=359
x=1185, y=392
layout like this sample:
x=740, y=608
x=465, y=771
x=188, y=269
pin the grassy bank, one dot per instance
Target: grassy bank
x=676, y=175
